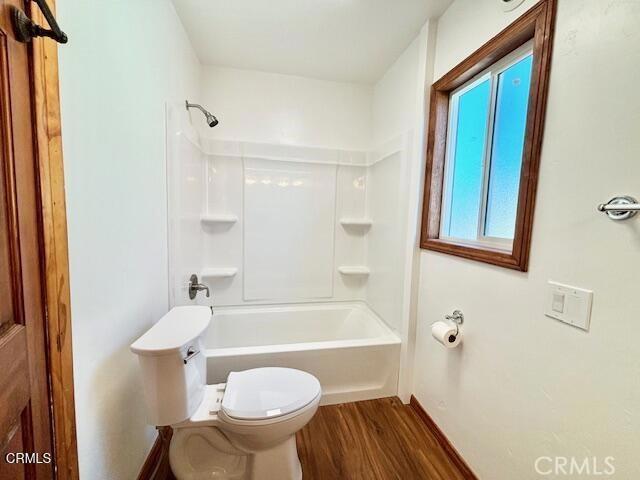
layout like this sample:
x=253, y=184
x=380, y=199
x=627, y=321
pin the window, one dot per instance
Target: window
x=483, y=144
x=483, y=159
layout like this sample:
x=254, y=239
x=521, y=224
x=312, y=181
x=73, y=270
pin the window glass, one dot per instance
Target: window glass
x=512, y=96
x=467, y=173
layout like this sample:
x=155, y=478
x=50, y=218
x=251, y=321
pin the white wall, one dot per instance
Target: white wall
x=123, y=61
x=395, y=104
x=272, y=108
x=524, y=385
x=395, y=184
x=394, y=95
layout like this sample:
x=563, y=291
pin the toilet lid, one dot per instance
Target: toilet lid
x=262, y=393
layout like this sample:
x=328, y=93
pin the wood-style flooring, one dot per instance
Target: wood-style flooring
x=372, y=440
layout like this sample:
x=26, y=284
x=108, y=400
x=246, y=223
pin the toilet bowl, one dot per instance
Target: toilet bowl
x=243, y=429
x=247, y=425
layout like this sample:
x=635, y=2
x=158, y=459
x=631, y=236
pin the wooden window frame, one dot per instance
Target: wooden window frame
x=537, y=25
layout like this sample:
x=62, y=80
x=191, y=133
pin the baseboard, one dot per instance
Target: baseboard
x=442, y=440
x=156, y=466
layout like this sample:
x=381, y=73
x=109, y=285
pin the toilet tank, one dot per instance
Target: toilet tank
x=173, y=376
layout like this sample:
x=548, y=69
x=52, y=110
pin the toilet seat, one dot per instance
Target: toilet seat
x=268, y=393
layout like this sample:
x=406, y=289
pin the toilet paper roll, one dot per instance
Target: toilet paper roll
x=445, y=333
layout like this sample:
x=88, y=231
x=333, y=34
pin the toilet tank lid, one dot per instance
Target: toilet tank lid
x=177, y=329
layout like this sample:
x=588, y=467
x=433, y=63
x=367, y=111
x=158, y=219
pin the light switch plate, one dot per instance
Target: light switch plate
x=569, y=304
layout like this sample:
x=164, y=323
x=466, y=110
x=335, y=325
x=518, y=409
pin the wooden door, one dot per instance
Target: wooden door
x=25, y=423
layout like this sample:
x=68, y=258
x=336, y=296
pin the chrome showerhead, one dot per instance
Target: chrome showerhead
x=212, y=121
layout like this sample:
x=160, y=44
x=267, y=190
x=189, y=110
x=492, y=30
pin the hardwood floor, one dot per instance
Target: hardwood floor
x=372, y=440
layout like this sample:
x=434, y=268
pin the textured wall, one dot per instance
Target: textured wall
x=124, y=60
x=274, y=108
x=524, y=385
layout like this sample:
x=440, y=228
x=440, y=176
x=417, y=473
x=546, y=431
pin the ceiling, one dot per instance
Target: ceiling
x=341, y=40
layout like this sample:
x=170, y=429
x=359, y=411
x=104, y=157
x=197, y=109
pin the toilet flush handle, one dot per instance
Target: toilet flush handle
x=191, y=352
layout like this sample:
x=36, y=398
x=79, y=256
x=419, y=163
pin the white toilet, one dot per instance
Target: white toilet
x=243, y=429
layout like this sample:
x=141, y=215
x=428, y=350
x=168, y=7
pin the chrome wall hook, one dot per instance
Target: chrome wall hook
x=620, y=208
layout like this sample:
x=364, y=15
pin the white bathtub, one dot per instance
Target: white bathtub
x=353, y=353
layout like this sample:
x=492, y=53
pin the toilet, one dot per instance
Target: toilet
x=242, y=429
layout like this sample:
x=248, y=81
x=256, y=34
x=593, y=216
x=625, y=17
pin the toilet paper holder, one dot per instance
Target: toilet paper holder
x=456, y=317
x=443, y=331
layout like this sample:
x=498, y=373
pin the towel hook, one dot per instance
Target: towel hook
x=26, y=29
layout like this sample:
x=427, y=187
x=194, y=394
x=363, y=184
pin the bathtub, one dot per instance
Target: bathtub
x=353, y=353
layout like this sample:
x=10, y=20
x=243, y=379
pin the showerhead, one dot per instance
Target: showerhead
x=212, y=121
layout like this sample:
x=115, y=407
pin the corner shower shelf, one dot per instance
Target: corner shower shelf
x=219, y=272
x=216, y=218
x=356, y=222
x=354, y=270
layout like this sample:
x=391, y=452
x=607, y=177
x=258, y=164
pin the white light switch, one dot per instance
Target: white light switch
x=569, y=304
x=557, y=305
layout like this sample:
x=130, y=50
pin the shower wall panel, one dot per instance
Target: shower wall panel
x=289, y=212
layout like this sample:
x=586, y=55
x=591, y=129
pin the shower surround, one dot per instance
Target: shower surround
x=275, y=226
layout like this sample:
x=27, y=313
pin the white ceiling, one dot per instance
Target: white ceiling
x=342, y=40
